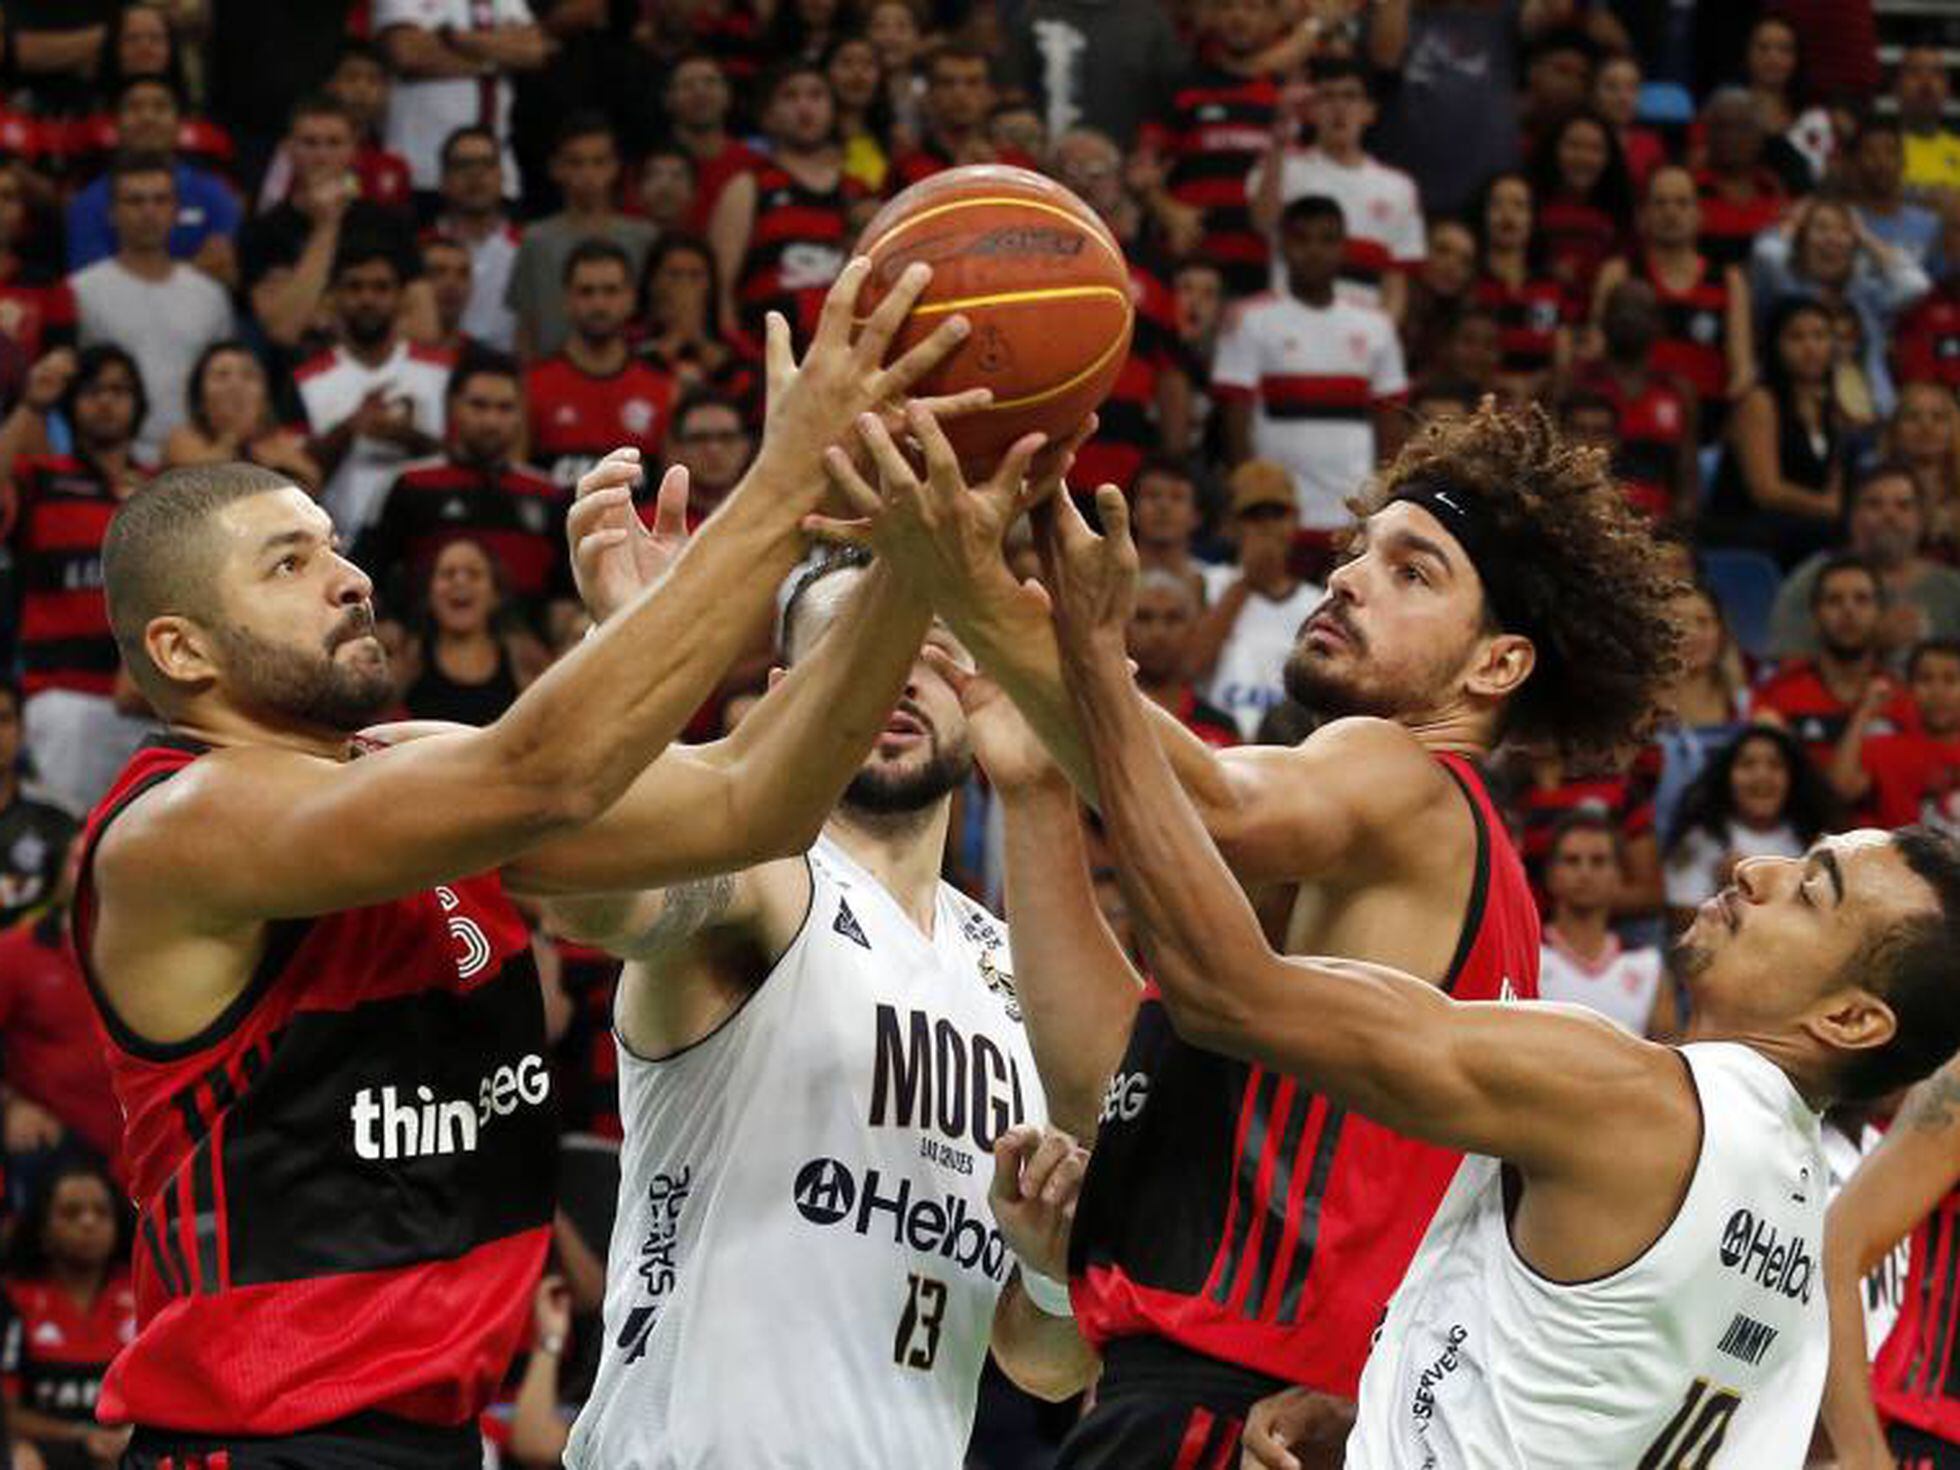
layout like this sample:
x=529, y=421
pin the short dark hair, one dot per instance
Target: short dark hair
x=481, y=362
x=1837, y=563
x=1885, y=469
x=1167, y=466
x=364, y=247
x=133, y=162
x=1930, y=648
x=594, y=249
x=957, y=51
x=827, y=562
x=1589, y=818
x=89, y=365
x=149, y=79
x=784, y=72
x=697, y=398
x=158, y=559
x=1310, y=207
x=586, y=122
x=1910, y=964
x=323, y=104
x=1584, y=572
x=1324, y=69
x=463, y=135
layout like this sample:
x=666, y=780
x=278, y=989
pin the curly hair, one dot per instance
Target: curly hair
x=1582, y=568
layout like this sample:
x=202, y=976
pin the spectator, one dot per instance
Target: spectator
x=372, y=400
x=447, y=270
x=1530, y=305
x=708, y=437
x=142, y=46
x=1707, y=336
x=1443, y=286
x=1165, y=520
x=959, y=99
x=540, y=1421
x=1704, y=707
x=1449, y=122
x=1878, y=185
x=1547, y=791
x=698, y=102
x=205, y=217
x=1759, y=797
x=1824, y=252
x=1887, y=526
x=139, y=44
x=71, y=1309
x=1148, y=410
x=1310, y=382
x=683, y=337
x=892, y=27
x=37, y=310
x=863, y=110
x=1558, y=78
x=451, y=61
x=360, y=83
x=480, y=491
x=1911, y=775
x=468, y=658
x=1920, y=92
x=1813, y=697
x=1216, y=127
x=1583, y=962
x=666, y=190
x=1090, y=64
x=780, y=231
x=1655, y=413
x=1162, y=626
x=57, y=508
x=1616, y=98
x=164, y=312
x=1017, y=127
x=34, y=834
x=1924, y=437
x=1585, y=213
x=231, y=418
x=1378, y=203
x=1799, y=137
x=1781, y=482
x=1473, y=352
x=472, y=212
x=287, y=253
x=1436, y=398
x=1740, y=196
x=585, y=167
x=1256, y=605
x=1926, y=346
x=596, y=395
x=1198, y=301
x=59, y=1101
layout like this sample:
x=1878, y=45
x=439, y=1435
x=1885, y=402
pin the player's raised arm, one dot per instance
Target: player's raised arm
x=327, y=835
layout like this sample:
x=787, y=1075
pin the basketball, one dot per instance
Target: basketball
x=1040, y=278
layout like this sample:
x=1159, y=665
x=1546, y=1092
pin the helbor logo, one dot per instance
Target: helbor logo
x=1756, y=1249
x=827, y=1193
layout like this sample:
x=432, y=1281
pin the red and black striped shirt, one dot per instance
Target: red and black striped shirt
x=1528, y=318
x=1578, y=239
x=1653, y=421
x=1916, y=1379
x=1219, y=127
x=1694, y=339
x=62, y=510
x=916, y=165
x=1729, y=226
x=1927, y=343
x=37, y=310
x=797, y=246
x=1127, y=432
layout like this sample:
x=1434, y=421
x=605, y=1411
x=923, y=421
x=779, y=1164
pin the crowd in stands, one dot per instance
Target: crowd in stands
x=432, y=258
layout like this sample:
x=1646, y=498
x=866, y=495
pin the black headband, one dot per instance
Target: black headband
x=1470, y=525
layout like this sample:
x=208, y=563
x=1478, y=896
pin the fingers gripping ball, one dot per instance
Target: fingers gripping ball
x=1040, y=278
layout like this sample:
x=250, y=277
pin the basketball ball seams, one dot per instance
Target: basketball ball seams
x=1090, y=228
x=1021, y=298
x=1119, y=343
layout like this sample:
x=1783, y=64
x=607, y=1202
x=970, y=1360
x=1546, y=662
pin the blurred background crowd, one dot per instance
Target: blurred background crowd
x=433, y=257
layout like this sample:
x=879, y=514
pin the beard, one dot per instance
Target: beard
x=313, y=690
x=881, y=791
x=1312, y=682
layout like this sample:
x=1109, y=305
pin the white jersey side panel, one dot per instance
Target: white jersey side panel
x=804, y=1268
x=1709, y=1351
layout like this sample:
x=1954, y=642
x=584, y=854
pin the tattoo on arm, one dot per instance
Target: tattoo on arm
x=685, y=910
x=1934, y=1105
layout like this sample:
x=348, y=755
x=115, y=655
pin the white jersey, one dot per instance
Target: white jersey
x=804, y=1266
x=1884, y=1289
x=331, y=387
x=1620, y=985
x=1707, y=1351
x=1379, y=205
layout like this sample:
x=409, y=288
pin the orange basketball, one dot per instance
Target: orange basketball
x=1040, y=278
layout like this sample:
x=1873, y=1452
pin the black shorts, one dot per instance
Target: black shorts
x=1916, y=1450
x=1159, y=1407
x=363, y=1442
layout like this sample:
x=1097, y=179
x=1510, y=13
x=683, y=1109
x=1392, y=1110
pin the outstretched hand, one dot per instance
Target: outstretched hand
x=1091, y=579
x=1037, y=1180
x=615, y=556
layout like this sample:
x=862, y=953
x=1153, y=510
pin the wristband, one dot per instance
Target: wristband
x=1049, y=1295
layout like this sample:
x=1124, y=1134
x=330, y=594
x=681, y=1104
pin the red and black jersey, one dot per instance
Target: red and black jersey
x=1240, y=1217
x=56, y=1352
x=344, y=1182
x=1729, y=227
x=711, y=176
x=1578, y=239
x=1627, y=801
x=37, y=310
x=577, y=418
x=915, y=165
x=1220, y=125
x=797, y=246
x=1798, y=695
x=1654, y=420
x=39, y=142
x=62, y=511
x=1916, y=1378
x=513, y=512
x=733, y=35
x=1528, y=318
x=1127, y=431
x=1206, y=720
x=1926, y=346
x=1694, y=339
x=586, y=1063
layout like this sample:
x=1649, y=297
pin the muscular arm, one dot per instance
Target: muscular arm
x=1892, y=1191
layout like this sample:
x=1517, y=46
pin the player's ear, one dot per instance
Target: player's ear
x=777, y=673
x=1500, y=665
x=1852, y=1019
x=181, y=650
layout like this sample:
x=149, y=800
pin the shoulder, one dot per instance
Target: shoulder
x=435, y=359
x=316, y=367
x=1380, y=765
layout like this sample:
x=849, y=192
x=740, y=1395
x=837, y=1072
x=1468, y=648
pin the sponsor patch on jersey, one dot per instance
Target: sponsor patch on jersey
x=847, y=925
x=827, y=1194
x=1760, y=1252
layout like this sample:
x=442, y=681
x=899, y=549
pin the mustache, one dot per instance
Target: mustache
x=1334, y=611
x=912, y=709
x=359, y=623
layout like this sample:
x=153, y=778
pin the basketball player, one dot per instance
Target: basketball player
x=817, y=1056
x=1627, y=1272
x=1238, y=1230
x=326, y=1033
x=1908, y=1185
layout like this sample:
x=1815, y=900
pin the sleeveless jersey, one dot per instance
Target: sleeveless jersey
x=54, y=1352
x=1708, y=1351
x=345, y=1181
x=1528, y=318
x=1916, y=1380
x=804, y=1266
x=65, y=506
x=1693, y=343
x=1240, y=1216
x=797, y=245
